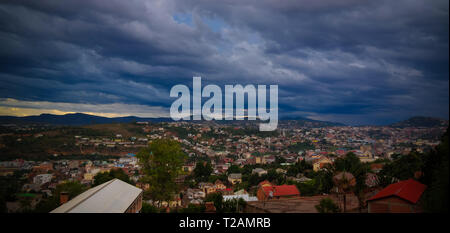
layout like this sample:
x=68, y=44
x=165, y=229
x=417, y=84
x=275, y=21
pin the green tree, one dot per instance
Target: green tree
x=352, y=164
x=435, y=197
x=217, y=199
x=327, y=205
x=401, y=168
x=103, y=177
x=202, y=171
x=161, y=163
x=233, y=169
x=191, y=208
x=147, y=208
x=73, y=188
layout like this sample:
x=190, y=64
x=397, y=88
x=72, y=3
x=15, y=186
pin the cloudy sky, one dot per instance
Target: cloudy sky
x=349, y=61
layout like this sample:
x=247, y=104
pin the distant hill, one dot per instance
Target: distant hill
x=305, y=122
x=420, y=121
x=74, y=119
x=77, y=119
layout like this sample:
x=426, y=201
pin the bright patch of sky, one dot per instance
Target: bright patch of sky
x=215, y=24
x=184, y=18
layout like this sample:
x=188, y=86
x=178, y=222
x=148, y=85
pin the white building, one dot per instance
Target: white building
x=42, y=179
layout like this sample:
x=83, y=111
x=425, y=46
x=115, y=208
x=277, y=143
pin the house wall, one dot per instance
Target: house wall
x=392, y=205
x=136, y=206
x=260, y=194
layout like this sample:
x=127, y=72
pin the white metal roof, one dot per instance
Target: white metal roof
x=246, y=197
x=114, y=196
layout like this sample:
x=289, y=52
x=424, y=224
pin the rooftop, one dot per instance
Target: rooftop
x=114, y=196
x=281, y=190
x=304, y=204
x=409, y=190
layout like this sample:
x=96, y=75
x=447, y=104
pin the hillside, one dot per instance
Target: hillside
x=79, y=119
x=75, y=119
x=420, y=121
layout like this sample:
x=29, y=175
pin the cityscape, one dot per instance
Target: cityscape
x=224, y=114
x=291, y=170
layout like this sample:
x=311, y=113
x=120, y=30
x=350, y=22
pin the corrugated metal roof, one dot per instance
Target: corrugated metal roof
x=246, y=197
x=281, y=190
x=409, y=190
x=114, y=196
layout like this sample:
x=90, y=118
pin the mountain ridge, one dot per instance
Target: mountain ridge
x=420, y=121
x=74, y=119
x=87, y=119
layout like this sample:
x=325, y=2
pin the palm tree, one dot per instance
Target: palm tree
x=344, y=182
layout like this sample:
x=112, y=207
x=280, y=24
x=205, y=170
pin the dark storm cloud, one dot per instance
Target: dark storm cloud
x=352, y=61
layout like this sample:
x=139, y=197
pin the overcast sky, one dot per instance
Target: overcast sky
x=349, y=61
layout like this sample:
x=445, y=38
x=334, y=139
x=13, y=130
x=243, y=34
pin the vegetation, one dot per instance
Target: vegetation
x=147, y=208
x=73, y=188
x=229, y=206
x=435, y=170
x=103, y=177
x=9, y=186
x=191, y=208
x=202, y=171
x=351, y=163
x=161, y=163
x=301, y=146
x=327, y=205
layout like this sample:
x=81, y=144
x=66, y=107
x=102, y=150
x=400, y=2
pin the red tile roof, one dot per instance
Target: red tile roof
x=376, y=166
x=281, y=190
x=265, y=182
x=409, y=190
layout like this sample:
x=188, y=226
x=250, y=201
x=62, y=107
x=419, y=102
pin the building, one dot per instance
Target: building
x=114, y=196
x=305, y=204
x=42, y=179
x=235, y=178
x=267, y=191
x=400, y=197
x=245, y=197
x=219, y=185
x=320, y=163
x=259, y=171
x=44, y=167
x=207, y=187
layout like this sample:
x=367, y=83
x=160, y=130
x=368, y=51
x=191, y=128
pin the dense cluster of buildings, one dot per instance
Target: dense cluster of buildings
x=225, y=146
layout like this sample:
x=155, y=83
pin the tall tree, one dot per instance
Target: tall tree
x=202, y=171
x=352, y=164
x=161, y=163
x=436, y=178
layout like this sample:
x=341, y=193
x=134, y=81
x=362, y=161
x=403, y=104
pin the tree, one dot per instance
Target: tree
x=147, y=208
x=103, y=177
x=233, y=205
x=202, y=171
x=229, y=206
x=279, y=160
x=436, y=173
x=161, y=163
x=327, y=205
x=352, y=164
x=233, y=169
x=402, y=168
x=307, y=188
x=191, y=208
x=324, y=180
x=73, y=188
x=217, y=199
